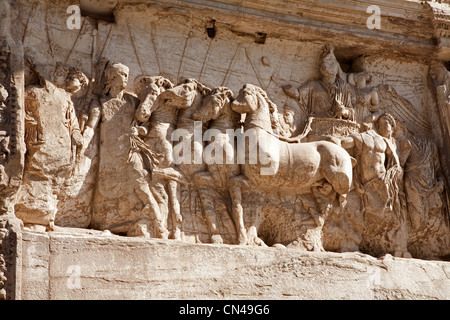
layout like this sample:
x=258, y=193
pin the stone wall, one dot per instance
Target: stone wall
x=352, y=98
x=59, y=265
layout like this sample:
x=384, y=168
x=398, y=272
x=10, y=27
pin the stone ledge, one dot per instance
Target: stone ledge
x=95, y=265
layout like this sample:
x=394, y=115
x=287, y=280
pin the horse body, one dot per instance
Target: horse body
x=189, y=96
x=297, y=165
x=216, y=109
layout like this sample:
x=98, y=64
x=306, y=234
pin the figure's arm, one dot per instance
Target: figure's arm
x=146, y=107
x=391, y=154
x=94, y=114
x=374, y=97
x=352, y=142
x=74, y=127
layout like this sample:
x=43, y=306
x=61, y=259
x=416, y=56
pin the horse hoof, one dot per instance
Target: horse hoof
x=177, y=235
x=243, y=240
x=139, y=230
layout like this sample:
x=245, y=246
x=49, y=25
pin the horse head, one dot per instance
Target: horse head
x=185, y=94
x=148, y=89
x=260, y=110
x=214, y=104
x=246, y=101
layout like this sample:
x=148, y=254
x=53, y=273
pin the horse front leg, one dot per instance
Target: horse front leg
x=177, y=219
x=204, y=186
x=235, y=189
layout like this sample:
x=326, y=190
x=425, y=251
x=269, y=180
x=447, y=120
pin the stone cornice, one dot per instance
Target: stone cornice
x=441, y=26
x=412, y=27
x=406, y=26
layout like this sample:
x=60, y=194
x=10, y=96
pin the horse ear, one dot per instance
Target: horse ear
x=167, y=84
x=206, y=91
x=224, y=93
x=229, y=94
x=203, y=89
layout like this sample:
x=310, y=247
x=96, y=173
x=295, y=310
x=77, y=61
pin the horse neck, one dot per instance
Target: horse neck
x=259, y=118
x=228, y=119
x=185, y=119
x=165, y=114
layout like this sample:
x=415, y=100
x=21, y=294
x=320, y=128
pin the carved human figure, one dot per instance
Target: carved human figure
x=380, y=183
x=51, y=135
x=425, y=190
x=441, y=80
x=157, y=120
x=366, y=99
x=331, y=96
x=288, y=123
x=3, y=109
x=75, y=198
x=123, y=200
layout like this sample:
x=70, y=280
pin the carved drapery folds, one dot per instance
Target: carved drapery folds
x=351, y=165
x=356, y=178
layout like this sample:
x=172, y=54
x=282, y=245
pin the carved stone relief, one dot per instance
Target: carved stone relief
x=337, y=159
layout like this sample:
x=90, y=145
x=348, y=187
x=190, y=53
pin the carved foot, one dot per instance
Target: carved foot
x=178, y=235
x=216, y=238
x=402, y=254
x=139, y=229
x=164, y=234
x=35, y=227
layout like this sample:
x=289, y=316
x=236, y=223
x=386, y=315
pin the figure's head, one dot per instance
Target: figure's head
x=76, y=81
x=329, y=66
x=386, y=125
x=359, y=79
x=59, y=76
x=289, y=117
x=116, y=75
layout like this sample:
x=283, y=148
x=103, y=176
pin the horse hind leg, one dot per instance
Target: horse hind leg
x=251, y=237
x=341, y=183
x=339, y=180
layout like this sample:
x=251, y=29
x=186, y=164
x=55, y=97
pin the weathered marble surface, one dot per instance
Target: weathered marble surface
x=59, y=265
x=355, y=121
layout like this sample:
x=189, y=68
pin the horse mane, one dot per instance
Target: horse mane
x=144, y=81
x=204, y=90
x=273, y=108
